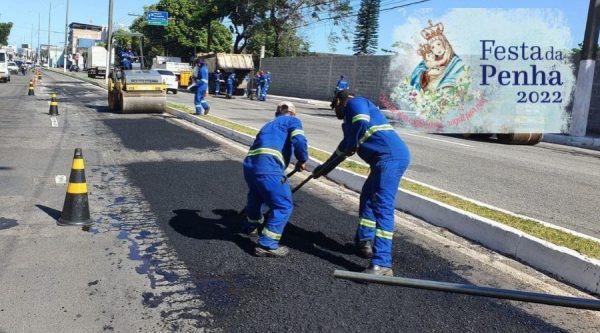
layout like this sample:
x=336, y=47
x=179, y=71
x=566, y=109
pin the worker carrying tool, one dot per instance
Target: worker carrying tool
x=264, y=167
x=367, y=131
x=201, y=81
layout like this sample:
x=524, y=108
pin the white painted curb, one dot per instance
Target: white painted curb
x=564, y=263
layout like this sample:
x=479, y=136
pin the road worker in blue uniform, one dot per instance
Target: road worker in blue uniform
x=342, y=84
x=201, y=81
x=217, y=77
x=257, y=79
x=367, y=131
x=230, y=83
x=265, y=81
x=127, y=58
x=264, y=169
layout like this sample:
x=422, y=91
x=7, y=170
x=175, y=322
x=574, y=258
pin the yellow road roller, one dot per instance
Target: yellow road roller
x=131, y=88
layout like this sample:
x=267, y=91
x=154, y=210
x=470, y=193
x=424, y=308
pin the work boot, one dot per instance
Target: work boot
x=281, y=251
x=364, y=248
x=206, y=110
x=379, y=270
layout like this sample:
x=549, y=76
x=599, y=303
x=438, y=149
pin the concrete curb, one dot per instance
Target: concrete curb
x=576, y=141
x=562, y=262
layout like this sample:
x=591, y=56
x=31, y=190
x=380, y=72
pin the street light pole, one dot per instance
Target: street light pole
x=109, y=40
x=39, y=51
x=66, y=29
x=49, y=15
x=585, y=76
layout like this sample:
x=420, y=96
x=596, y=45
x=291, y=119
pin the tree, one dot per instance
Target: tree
x=279, y=20
x=367, y=26
x=5, y=32
x=187, y=30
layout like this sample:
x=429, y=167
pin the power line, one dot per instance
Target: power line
x=354, y=14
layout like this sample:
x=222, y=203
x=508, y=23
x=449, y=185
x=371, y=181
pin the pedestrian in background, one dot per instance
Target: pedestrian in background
x=342, y=84
x=265, y=81
x=257, y=83
x=264, y=169
x=201, y=81
x=367, y=131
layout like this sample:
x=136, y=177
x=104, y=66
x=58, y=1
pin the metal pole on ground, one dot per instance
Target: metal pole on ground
x=585, y=76
x=469, y=289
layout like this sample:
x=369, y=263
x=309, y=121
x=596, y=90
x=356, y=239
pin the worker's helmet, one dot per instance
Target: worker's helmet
x=286, y=107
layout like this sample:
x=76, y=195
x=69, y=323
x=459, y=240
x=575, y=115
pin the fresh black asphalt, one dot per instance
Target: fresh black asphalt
x=195, y=201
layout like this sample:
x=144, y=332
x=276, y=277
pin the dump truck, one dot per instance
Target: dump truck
x=95, y=64
x=135, y=90
x=240, y=64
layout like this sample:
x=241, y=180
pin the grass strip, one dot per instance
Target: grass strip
x=558, y=237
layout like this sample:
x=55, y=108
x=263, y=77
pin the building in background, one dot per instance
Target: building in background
x=82, y=36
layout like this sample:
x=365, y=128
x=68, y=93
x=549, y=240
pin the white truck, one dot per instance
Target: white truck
x=96, y=61
x=172, y=64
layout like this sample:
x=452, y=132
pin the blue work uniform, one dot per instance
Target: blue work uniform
x=257, y=84
x=264, y=168
x=127, y=57
x=367, y=129
x=265, y=81
x=341, y=85
x=230, y=82
x=217, y=83
x=201, y=78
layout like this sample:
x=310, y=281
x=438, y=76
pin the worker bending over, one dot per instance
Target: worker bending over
x=264, y=169
x=367, y=131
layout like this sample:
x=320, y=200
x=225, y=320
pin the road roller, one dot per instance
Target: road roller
x=136, y=90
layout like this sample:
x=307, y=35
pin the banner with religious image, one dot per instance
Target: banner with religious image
x=473, y=70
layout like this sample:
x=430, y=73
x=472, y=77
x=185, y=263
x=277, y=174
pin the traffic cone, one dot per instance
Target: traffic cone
x=31, y=91
x=76, y=210
x=53, y=106
x=39, y=74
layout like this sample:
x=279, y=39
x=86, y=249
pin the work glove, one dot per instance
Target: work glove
x=300, y=166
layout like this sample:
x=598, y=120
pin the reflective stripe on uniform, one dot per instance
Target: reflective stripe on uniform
x=359, y=117
x=204, y=80
x=384, y=234
x=372, y=130
x=268, y=233
x=267, y=151
x=297, y=132
x=259, y=221
x=367, y=223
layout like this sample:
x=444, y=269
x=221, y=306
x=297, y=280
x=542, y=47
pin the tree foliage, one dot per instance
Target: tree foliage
x=367, y=26
x=187, y=30
x=5, y=32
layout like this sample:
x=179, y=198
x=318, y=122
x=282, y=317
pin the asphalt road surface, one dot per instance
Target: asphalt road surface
x=167, y=194
x=553, y=183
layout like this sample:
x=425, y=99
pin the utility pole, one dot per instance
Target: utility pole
x=39, y=52
x=585, y=76
x=66, y=29
x=109, y=41
x=49, y=15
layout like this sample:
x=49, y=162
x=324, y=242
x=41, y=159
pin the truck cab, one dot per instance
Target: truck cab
x=4, y=70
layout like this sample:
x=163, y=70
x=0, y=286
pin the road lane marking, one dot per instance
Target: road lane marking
x=54, y=121
x=440, y=140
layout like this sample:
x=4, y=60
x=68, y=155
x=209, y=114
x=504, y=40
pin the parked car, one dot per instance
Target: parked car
x=13, y=68
x=170, y=79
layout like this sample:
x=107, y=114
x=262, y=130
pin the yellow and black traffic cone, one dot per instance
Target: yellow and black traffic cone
x=76, y=210
x=39, y=74
x=31, y=91
x=53, y=106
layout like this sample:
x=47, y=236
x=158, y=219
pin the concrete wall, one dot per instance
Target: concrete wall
x=316, y=77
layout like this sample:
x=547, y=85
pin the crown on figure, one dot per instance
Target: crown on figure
x=432, y=31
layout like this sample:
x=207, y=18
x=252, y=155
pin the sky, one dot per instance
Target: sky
x=25, y=17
